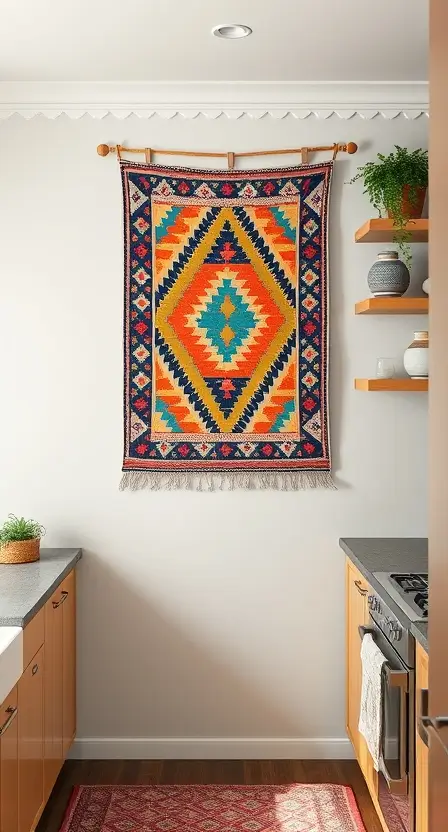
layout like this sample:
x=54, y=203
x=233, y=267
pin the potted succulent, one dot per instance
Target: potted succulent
x=396, y=185
x=20, y=540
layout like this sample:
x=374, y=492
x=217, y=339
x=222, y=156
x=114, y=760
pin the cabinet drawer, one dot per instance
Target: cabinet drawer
x=358, y=579
x=9, y=800
x=33, y=637
x=8, y=708
x=30, y=743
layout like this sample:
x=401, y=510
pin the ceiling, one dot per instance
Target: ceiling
x=170, y=40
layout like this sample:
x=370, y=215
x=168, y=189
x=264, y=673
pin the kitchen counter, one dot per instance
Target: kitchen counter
x=390, y=554
x=420, y=632
x=24, y=588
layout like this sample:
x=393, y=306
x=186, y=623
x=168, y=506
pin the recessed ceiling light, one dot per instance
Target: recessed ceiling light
x=231, y=31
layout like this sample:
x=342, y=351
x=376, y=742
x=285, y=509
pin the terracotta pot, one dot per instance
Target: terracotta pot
x=20, y=551
x=413, y=210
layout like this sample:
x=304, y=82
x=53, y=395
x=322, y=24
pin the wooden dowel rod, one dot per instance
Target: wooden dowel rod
x=187, y=153
x=286, y=151
x=105, y=149
x=350, y=147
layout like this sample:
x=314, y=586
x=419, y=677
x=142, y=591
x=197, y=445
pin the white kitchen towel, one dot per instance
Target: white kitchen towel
x=371, y=710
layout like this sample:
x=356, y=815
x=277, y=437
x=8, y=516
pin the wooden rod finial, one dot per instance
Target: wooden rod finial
x=103, y=150
x=352, y=147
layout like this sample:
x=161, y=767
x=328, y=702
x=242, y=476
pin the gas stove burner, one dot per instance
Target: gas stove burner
x=411, y=582
x=409, y=590
x=421, y=601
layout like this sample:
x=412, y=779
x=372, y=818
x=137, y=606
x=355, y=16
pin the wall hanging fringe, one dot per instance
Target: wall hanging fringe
x=294, y=481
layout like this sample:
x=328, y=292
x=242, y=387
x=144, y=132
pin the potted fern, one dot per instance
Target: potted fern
x=396, y=185
x=20, y=540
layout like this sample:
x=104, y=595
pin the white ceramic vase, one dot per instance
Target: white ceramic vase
x=416, y=356
x=426, y=286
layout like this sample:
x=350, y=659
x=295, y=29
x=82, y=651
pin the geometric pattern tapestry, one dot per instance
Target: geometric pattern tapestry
x=226, y=327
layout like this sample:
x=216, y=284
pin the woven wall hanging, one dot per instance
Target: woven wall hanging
x=226, y=327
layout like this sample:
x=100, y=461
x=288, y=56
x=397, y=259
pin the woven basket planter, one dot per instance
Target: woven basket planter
x=20, y=551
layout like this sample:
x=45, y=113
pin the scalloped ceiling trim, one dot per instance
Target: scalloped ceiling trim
x=193, y=99
x=212, y=114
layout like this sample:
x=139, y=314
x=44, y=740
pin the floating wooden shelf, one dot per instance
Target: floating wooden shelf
x=399, y=385
x=392, y=306
x=383, y=231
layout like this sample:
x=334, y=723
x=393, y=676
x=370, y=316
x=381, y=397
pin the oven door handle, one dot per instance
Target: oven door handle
x=395, y=678
x=364, y=631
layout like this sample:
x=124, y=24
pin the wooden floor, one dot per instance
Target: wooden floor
x=86, y=772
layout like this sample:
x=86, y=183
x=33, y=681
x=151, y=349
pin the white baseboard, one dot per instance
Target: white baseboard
x=173, y=748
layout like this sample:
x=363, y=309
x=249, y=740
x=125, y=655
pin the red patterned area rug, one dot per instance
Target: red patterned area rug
x=285, y=808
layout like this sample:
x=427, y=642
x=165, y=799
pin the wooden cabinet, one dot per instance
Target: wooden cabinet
x=38, y=718
x=357, y=591
x=69, y=663
x=31, y=742
x=53, y=756
x=60, y=679
x=9, y=772
x=421, y=750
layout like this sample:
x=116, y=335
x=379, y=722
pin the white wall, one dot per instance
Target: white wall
x=204, y=616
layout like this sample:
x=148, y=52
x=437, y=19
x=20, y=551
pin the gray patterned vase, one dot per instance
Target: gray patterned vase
x=388, y=277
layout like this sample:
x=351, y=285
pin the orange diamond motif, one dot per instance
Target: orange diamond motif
x=225, y=318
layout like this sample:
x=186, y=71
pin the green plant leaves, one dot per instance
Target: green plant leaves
x=384, y=181
x=17, y=528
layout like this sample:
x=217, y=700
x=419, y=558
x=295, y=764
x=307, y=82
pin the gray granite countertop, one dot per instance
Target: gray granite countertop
x=24, y=588
x=420, y=632
x=390, y=554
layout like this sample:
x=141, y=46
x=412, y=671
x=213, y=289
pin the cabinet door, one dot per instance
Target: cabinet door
x=421, y=750
x=357, y=613
x=53, y=756
x=31, y=742
x=357, y=590
x=9, y=800
x=69, y=663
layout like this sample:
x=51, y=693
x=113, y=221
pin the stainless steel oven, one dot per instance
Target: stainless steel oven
x=396, y=777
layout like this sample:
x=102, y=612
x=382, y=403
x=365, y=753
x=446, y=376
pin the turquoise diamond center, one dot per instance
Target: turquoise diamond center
x=227, y=320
